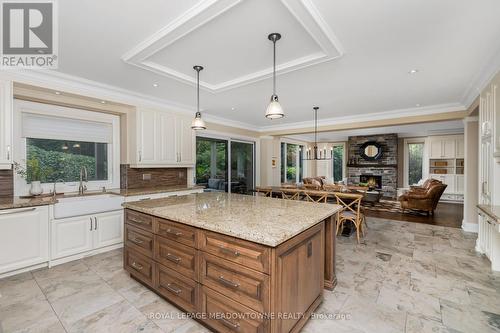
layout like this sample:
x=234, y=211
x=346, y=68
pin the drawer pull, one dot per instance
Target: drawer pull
x=229, y=251
x=174, y=233
x=137, y=266
x=171, y=287
x=229, y=324
x=137, y=221
x=228, y=282
x=137, y=241
x=173, y=258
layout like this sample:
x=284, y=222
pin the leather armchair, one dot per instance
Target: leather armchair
x=424, y=198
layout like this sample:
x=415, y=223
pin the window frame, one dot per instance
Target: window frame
x=19, y=153
x=406, y=176
x=343, y=144
x=301, y=146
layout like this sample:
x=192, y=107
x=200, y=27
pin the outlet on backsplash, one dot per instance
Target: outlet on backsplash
x=146, y=176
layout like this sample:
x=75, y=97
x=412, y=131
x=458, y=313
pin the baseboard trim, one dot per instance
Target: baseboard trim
x=470, y=227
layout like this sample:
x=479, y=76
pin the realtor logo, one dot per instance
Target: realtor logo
x=29, y=34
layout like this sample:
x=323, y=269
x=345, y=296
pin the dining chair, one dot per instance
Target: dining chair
x=351, y=204
x=315, y=196
x=290, y=194
x=264, y=191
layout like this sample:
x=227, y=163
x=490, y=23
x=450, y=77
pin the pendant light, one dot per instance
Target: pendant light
x=198, y=123
x=274, y=110
x=317, y=154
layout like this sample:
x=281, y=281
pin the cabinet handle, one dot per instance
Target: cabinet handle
x=229, y=251
x=228, y=282
x=173, y=233
x=137, y=266
x=173, y=258
x=136, y=221
x=90, y=223
x=7, y=212
x=137, y=241
x=171, y=287
x=8, y=153
x=140, y=156
x=95, y=219
x=228, y=323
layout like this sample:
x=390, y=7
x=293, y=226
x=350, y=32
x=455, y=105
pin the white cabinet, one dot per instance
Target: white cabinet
x=163, y=139
x=71, y=236
x=460, y=148
x=459, y=184
x=6, y=101
x=74, y=235
x=445, y=147
x=24, y=238
x=448, y=180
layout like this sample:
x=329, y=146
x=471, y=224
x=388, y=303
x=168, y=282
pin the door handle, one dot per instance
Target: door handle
x=95, y=226
x=8, y=153
x=90, y=223
x=140, y=156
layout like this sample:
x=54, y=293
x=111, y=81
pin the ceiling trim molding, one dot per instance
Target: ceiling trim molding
x=304, y=11
x=80, y=86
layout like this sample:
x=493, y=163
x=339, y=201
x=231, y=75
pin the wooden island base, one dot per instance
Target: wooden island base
x=234, y=284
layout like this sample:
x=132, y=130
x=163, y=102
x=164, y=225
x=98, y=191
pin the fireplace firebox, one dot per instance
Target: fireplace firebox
x=373, y=181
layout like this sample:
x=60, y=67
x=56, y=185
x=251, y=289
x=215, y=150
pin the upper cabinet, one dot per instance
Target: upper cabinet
x=6, y=101
x=163, y=139
x=489, y=115
x=451, y=146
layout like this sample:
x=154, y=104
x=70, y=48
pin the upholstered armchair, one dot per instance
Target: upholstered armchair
x=424, y=198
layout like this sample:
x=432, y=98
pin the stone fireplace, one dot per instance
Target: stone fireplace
x=383, y=171
x=372, y=181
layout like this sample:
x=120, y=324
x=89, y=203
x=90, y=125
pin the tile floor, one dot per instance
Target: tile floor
x=404, y=277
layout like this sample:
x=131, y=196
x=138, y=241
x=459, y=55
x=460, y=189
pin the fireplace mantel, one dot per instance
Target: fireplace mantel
x=372, y=165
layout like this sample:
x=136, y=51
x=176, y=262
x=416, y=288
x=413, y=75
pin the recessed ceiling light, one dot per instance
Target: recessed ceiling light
x=417, y=105
x=103, y=102
x=413, y=71
x=156, y=85
x=57, y=92
x=232, y=109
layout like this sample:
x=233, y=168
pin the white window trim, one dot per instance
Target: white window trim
x=297, y=160
x=406, y=162
x=20, y=185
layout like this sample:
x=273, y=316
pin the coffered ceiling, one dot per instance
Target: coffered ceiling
x=350, y=57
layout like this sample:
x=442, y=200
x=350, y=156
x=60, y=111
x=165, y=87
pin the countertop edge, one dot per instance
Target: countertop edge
x=130, y=205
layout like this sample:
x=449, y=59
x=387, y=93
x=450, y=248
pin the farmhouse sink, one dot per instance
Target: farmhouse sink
x=87, y=204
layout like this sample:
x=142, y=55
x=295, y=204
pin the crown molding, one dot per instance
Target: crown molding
x=399, y=113
x=205, y=11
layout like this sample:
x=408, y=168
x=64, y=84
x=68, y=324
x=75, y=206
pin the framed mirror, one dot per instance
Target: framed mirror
x=371, y=151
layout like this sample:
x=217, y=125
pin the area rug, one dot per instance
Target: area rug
x=391, y=206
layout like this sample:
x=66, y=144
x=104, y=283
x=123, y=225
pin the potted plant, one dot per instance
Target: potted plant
x=33, y=174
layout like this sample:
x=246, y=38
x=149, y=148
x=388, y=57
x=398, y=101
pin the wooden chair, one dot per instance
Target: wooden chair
x=290, y=194
x=315, y=196
x=332, y=187
x=264, y=191
x=351, y=204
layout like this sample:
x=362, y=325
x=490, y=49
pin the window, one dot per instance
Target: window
x=60, y=141
x=63, y=159
x=291, y=163
x=415, y=162
x=218, y=160
x=338, y=162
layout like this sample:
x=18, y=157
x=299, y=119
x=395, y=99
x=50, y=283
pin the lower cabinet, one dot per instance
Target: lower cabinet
x=24, y=238
x=231, y=284
x=76, y=235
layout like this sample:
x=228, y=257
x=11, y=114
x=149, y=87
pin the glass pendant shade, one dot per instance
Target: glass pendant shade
x=198, y=123
x=274, y=109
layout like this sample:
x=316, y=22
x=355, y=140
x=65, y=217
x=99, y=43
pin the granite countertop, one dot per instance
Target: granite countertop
x=17, y=202
x=263, y=220
x=491, y=211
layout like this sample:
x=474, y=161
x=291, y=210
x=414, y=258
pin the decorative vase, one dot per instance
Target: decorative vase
x=36, y=188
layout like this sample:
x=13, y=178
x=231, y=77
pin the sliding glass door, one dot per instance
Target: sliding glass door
x=292, y=167
x=242, y=167
x=218, y=160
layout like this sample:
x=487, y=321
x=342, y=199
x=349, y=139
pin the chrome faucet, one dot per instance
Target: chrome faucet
x=83, y=178
x=54, y=192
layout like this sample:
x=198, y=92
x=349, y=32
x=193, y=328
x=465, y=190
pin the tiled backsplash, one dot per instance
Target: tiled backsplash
x=6, y=183
x=151, y=177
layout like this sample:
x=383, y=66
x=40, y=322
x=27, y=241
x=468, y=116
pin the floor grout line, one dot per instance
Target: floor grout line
x=50, y=304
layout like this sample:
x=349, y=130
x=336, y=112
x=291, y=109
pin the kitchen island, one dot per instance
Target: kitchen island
x=241, y=263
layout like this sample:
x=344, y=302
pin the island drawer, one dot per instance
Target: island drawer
x=243, y=252
x=139, y=266
x=244, y=285
x=175, y=231
x=177, y=288
x=226, y=315
x=140, y=220
x=174, y=255
x=139, y=240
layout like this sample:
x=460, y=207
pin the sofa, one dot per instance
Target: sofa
x=423, y=198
